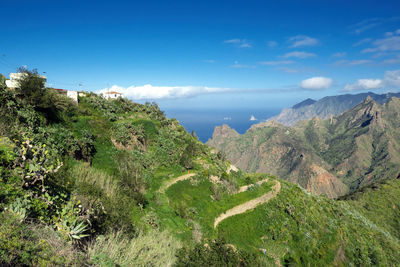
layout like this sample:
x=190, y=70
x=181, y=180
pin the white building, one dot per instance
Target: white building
x=112, y=95
x=73, y=95
x=13, y=82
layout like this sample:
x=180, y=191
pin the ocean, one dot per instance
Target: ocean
x=203, y=121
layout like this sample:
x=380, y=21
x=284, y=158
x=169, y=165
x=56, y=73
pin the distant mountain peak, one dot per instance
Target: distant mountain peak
x=304, y=103
x=368, y=99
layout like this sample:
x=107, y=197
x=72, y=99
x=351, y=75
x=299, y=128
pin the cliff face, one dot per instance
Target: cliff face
x=326, y=107
x=330, y=157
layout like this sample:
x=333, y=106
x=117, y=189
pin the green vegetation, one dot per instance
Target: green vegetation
x=92, y=185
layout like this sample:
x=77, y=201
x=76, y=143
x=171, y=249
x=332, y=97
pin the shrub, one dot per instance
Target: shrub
x=24, y=244
x=87, y=146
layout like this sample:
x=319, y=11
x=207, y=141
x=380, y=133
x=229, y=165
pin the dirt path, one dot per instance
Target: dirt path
x=231, y=168
x=165, y=186
x=246, y=187
x=251, y=204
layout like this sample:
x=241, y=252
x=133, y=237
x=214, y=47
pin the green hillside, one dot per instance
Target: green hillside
x=116, y=183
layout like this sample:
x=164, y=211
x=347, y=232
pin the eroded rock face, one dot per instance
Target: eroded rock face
x=322, y=182
x=224, y=131
x=331, y=157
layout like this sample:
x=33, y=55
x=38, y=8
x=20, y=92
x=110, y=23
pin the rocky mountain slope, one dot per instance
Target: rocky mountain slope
x=331, y=157
x=326, y=107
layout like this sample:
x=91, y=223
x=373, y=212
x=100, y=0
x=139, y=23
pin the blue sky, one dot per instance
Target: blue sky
x=196, y=54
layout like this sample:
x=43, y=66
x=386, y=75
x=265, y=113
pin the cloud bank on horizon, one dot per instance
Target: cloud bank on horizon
x=391, y=80
x=149, y=91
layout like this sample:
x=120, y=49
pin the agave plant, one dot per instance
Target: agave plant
x=19, y=208
x=74, y=231
x=77, y=230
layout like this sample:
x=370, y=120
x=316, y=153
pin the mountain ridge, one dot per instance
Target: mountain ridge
x=333, y=157
x=326, y=107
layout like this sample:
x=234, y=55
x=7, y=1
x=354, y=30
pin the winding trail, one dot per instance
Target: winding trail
x=165, y=186
x=246, y=187
x=251, y=204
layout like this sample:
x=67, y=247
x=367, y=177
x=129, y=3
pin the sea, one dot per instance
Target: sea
x=203, y=121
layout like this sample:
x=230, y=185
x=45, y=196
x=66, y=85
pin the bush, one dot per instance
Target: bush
x=33, y=245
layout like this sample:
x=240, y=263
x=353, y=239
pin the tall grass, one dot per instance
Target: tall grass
x=83, y=173
x=147, y=249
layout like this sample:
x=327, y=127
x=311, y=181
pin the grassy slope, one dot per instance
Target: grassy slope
x=380, y=203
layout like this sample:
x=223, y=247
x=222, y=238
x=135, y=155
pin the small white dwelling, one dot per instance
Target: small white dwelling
x=12, y=83
x=112, y=95
x=71, y=94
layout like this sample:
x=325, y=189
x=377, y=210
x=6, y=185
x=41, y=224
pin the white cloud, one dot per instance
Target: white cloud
x=353, y=62
x=383, y=45
x=245, y=45
x=275, y=63
x=392, y=78
x=302, y=40
x=299, y=54
x=288, y=70
x=363, y=41
x=237, y=65
x=316, y=83
x=364, y=84
x=395, y=60
x=391, y=61
x=233, y=41
x=340, y=54
x=272, y=44
x=149, y=91
x=242, y=43
x=365, y=25
x=359, y=62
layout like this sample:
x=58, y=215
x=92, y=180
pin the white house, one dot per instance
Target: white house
x=13, y=82
x=112, y=95
x=73, y=95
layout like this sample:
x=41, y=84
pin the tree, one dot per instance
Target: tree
x=31, y=87
x=31, y=90
x=193, y=133
x=188, y=154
